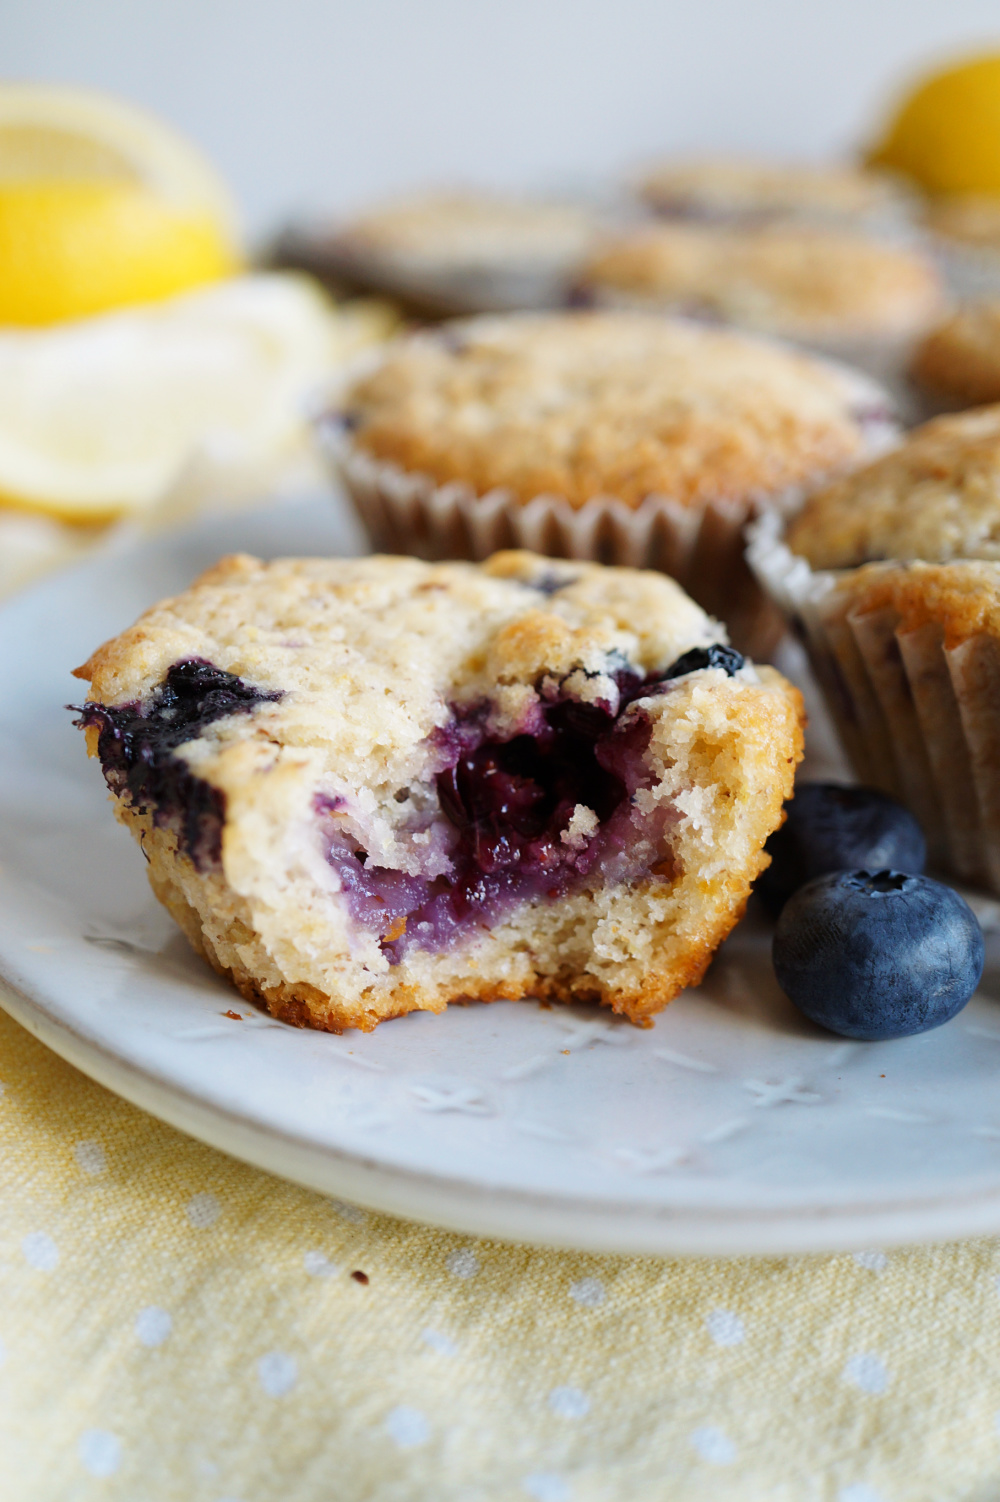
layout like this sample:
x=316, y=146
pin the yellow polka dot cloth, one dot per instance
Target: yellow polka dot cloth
x=178, y=1326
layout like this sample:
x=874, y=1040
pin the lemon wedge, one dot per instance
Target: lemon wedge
x=102, y=417
x=101, y=206
x=946, y=133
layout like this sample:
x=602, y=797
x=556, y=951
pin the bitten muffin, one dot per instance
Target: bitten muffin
x=446, y=253
x=732, y=188
x=368, y=787
x=893, y=575
x=618, y=437
x=827, y=287
x=959, y=362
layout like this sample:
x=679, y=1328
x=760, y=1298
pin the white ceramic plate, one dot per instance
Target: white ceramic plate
x=732, y=1126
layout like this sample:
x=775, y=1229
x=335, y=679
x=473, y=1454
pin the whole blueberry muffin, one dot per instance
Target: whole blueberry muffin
x=958, y=363
x=827, y=287
x=625, y=438
x=368, y=787
x=456, y=252
x=740, y=188
x=965, y=229
x=893, y=576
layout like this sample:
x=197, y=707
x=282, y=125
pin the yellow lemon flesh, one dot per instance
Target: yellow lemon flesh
x=70, y=249
x=101, y=206
x=946, y=134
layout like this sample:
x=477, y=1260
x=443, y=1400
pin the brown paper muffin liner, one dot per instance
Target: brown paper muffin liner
x=702, y=549
x=918, y=718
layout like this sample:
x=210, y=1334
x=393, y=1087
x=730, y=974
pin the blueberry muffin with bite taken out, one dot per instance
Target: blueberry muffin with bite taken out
x=368, y=787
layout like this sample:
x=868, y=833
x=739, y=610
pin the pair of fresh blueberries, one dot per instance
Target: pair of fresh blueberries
x=865, y=944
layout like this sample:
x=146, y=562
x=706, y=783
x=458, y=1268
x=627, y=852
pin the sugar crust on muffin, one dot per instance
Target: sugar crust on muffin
x=936, y=497
x=795, y=280
x=961, y=599
x=626, y=405
x=382, y=804
x=961, y=358
x=728, y=186
x=457, y=229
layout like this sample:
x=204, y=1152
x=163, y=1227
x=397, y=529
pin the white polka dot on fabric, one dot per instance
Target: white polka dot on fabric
x=277, y=1373
x=462, y=1262
x=439, y=1343
x=589, y=1292
x=867, y=1372
x=725, y=1328
x=875, y=1261
x=40, y=1251
x=203, y=1210
x=858, y=1492
x=90, y=1157
x=319, y=1265
x=153, y=1325
x=407, y=1427
x=714, y=1445
x=352, y=1213
x=100, y=1452
x=569, y=1402
x=545, y=1487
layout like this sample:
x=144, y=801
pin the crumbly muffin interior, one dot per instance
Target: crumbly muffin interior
x=936, y=497
x=625, y=405
x=376, y=786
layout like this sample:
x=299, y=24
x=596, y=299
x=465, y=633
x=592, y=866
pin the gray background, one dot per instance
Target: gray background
x=313, y=103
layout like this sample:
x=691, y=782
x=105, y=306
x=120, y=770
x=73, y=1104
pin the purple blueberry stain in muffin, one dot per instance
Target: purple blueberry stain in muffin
x=525, y=816
x=137, y=744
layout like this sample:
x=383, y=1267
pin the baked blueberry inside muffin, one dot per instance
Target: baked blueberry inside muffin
x=372, y=786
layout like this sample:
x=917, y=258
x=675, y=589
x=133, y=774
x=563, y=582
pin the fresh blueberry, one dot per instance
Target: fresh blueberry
x=877, y=956
x=834, y=828
x=715, y=656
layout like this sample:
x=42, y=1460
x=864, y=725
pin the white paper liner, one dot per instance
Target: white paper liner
x=918, y=719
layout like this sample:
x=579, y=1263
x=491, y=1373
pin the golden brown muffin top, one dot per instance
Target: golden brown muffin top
x=462, y=229
x=936, y=498
x=970, y=217
x=961, y=359
x=625, y=405
x=962, y=598
x=791, y=279
x=733, y=186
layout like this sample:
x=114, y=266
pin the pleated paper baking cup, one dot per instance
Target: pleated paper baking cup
x=918, y=713
x=701, y=548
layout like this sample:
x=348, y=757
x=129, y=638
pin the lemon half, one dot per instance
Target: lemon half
x=946, y=133
x=101, y=206
x=104, y=416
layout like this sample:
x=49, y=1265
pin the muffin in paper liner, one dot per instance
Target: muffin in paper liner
x=702, y=550
x=695, y=535
x=441, y=254
x=908, y=658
